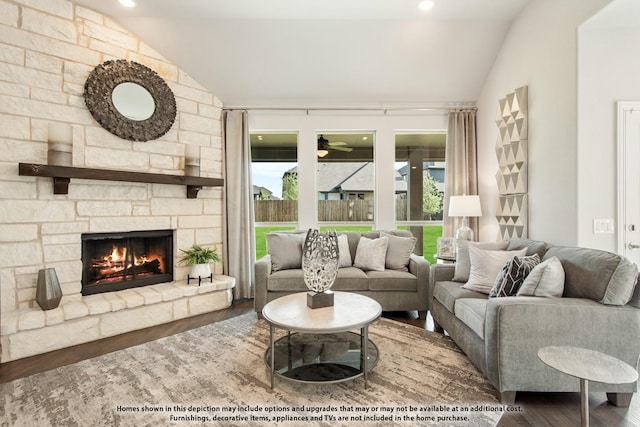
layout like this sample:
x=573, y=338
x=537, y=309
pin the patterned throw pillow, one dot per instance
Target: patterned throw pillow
x=512, y=275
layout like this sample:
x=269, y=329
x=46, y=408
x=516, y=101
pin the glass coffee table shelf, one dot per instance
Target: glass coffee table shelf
x=323, y=358
x=321, y=344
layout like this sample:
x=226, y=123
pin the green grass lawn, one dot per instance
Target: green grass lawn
x=430, y=236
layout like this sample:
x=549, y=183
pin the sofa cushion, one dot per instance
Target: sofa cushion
x=353, y=237
x=532, y=246
x=635, y=299
x=472, y=311
x=392, y=280
x=595, y=274
x=545, y=280
x=463, y=261
x=512, y=275
x=371, y=253
x=286, y=280
x=485, y=266
x=349, y=279
x=399, y=251
x=447, y=293
x=345, y=253
x=285, y=250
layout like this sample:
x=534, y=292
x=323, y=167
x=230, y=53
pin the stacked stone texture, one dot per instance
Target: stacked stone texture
x=48, y=48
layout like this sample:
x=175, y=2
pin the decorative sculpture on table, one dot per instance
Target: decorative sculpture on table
x=320, y=257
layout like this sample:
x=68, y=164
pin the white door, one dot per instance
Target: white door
x=629, y=180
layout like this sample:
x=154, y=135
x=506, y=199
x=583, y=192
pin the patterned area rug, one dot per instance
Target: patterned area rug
x=216, y=375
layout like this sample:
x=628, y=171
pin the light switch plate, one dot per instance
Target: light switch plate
x=603, y=226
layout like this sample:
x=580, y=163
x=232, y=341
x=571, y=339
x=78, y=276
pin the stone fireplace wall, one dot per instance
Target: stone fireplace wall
x=47, y=50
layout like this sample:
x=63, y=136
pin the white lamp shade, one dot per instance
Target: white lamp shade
x=465, y=206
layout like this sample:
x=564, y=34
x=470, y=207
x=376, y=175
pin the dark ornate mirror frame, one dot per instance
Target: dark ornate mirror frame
x=97, y=96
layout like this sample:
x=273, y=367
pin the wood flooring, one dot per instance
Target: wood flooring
x=530, y=410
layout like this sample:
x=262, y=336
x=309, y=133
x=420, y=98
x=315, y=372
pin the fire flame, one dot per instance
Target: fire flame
x=119, y=256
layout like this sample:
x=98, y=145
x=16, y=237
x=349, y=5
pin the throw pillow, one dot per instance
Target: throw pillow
x=463, y=262
x=399, y=251
x=485, y=266
x=512, y=275
x=371, y=253
x=343, y=248
x=545, y=280
x=285, y=250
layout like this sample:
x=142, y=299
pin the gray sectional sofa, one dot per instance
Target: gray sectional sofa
x=599, y=309
x=399, y=287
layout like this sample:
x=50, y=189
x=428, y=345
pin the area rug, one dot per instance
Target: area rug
x=216, y=375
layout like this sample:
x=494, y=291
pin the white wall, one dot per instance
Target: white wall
x=384, y=127
x=609, y=71
x=540, y=51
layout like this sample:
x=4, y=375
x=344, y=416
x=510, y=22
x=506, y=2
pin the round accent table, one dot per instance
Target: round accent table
x=320, y=345
x=587, y=365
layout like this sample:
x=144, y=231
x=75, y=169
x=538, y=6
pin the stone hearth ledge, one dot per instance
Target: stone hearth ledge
x=34, y=331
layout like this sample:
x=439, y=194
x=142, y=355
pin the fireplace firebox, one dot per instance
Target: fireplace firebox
x=117, y=261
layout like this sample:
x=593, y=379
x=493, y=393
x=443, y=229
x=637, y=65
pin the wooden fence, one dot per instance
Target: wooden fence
x=328, y=210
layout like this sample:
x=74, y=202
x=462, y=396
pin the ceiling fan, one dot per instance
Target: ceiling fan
x=324, y=146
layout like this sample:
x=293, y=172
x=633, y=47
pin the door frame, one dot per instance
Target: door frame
x=622, y=107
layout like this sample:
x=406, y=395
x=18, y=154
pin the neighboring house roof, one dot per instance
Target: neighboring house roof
x=354, y=177
x=361, y=180
x=400, y=183
x=435, y=170
x=333, y=175
x=258, y=190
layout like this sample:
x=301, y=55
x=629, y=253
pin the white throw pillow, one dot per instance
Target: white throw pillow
x=343, y=248
x=463, y=262
x=485, y=266
x=545, y=280
x=371, y=253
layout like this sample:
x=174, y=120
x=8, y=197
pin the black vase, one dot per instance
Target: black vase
x=48, y=292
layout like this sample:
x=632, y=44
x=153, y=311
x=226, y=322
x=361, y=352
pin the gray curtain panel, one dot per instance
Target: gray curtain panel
x=461, y=167
x=239, y=245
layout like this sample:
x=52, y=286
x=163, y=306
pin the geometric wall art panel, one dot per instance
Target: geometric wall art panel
x=512, y=142
x=511, y=213
x=512, y=153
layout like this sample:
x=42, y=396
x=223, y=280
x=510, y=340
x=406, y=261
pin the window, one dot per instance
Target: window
x=345, y=180
x=274, y=162
x=420, y=187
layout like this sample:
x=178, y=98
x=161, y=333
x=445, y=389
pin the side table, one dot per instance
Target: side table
x=587, y=365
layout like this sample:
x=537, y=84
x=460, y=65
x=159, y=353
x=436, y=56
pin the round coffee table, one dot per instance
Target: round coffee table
x=322, y=347
x=587, y=365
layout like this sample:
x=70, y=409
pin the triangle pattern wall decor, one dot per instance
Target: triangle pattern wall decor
x=512, y=154
x=511, y=213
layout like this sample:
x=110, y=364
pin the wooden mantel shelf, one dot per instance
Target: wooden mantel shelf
x=62, y=175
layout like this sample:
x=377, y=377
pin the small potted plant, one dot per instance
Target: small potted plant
x=199, y=258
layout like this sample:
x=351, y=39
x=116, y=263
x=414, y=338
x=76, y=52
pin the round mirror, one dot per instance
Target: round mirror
x=133, y=101
x=130, y=100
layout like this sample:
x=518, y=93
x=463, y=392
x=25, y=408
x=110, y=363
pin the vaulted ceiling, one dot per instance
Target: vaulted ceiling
x=314, y=53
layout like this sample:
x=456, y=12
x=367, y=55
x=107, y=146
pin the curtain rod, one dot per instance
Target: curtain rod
x=384, y=109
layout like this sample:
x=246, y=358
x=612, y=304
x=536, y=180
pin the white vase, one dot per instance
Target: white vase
x=200, y=270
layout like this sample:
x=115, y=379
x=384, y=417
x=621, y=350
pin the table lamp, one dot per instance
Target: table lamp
x=464, y=206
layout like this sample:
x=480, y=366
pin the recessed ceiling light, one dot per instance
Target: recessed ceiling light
x=127, y=3
x=426, y=5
